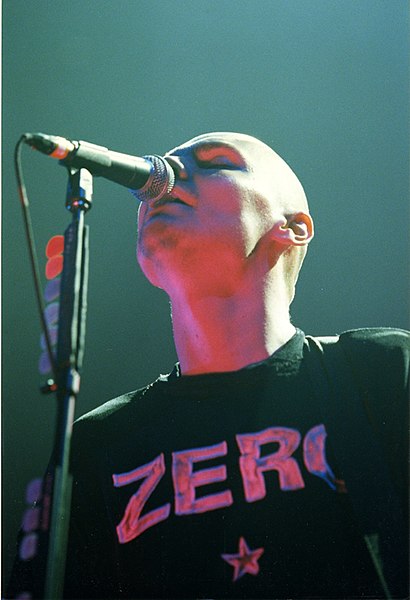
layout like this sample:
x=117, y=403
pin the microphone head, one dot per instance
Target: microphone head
x=160, y=182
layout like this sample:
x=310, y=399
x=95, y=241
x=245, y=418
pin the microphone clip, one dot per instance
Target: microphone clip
x=79, y=190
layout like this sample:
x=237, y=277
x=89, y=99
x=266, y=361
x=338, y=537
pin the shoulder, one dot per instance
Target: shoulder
x=116, y=405
x=381, y=348
x=371, y=343
x=379, y=358
x=120, y=405
x=380, y=361
x=121, y=411
x=387, y=338
x=105, y=419
x=105, y=425
x=91, y=429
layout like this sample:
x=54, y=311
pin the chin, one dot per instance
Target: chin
x=154, y=255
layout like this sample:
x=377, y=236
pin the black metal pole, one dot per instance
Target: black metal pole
x=70, y=348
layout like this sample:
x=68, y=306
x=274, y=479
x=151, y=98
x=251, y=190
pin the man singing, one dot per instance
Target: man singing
x=242, y=473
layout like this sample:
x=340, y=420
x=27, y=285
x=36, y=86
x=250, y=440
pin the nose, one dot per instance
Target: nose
x=178, y=167
x=184, y=188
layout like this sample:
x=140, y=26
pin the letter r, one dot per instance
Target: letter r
x=252, y=464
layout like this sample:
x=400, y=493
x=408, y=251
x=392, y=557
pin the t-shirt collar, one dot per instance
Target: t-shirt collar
x=281, y=360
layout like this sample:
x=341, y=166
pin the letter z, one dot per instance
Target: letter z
x=132, y=524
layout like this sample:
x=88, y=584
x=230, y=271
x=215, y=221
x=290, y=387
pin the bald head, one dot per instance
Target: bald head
x=259, y=158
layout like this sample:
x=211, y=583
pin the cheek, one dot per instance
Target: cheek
x=228, y=211
x=256, y=217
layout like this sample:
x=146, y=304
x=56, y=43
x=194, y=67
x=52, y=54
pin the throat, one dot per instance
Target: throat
x=220, y=335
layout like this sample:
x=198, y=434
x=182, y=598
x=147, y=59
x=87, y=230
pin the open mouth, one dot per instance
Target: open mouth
x=163, y=206
x=168, y=200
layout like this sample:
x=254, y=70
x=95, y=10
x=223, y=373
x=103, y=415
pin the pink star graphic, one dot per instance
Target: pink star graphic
x=246, y=561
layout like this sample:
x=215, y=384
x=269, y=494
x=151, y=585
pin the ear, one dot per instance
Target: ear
x=296, y=230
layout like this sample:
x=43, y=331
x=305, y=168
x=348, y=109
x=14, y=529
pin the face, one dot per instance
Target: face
x=225, y=201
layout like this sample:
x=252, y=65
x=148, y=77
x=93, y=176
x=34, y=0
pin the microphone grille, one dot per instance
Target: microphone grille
x=160, y=182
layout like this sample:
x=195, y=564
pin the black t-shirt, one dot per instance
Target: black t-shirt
x=225, y=485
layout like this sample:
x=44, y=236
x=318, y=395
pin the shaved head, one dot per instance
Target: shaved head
x=285, y=191
x=286, y=188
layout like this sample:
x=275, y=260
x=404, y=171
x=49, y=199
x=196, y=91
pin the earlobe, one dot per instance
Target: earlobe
x=297, y=230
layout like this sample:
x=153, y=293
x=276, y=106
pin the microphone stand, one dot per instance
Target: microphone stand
x=70, y=349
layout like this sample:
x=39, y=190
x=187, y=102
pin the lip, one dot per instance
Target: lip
x=161, y=205
x=166, y=200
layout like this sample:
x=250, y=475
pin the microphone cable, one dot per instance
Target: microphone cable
x=33, y=258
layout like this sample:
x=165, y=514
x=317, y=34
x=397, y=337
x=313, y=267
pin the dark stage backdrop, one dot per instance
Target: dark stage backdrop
x=325, y=82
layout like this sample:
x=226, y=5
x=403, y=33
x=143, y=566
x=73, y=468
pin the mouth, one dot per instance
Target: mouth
x=167, y=199
x=163, y=206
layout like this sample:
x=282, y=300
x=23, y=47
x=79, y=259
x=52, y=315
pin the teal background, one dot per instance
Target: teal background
x=324, y=82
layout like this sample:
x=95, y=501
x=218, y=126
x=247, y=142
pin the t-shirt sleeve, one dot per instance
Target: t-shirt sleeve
x=380, y=360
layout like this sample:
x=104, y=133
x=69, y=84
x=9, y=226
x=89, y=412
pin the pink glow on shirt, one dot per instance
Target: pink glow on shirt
x=132, y=524
x=186, y=480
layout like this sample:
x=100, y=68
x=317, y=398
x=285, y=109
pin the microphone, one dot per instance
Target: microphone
x=149, y=177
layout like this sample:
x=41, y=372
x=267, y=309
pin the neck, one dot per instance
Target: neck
x=214, y=334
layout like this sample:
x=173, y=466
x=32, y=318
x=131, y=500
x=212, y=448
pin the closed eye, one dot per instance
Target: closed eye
x=217, y=163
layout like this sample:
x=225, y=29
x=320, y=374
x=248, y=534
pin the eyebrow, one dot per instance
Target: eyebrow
x=210, y=150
